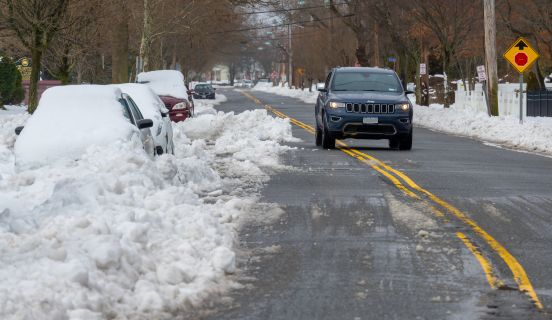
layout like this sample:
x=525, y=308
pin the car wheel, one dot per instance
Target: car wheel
x=328, y=141
x=394, y=143
x=318, y=136
x=406, y=142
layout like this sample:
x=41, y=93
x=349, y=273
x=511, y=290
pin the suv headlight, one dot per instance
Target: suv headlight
x=179, y=106
x=336, y=105
x=403, y=106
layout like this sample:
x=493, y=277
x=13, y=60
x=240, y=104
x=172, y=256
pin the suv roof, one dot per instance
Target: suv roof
x=364, y=69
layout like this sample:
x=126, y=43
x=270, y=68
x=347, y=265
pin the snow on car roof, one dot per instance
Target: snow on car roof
x=68, y=120
x=165, y=83
x=143, y=95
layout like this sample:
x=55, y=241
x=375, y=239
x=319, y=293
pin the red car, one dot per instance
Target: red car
x=179, y=109
x=169, y=86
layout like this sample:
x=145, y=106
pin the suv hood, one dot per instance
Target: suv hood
x=367, y=97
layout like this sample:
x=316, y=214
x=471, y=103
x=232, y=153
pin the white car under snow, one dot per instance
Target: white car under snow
x=152, y=108
x=70, y=119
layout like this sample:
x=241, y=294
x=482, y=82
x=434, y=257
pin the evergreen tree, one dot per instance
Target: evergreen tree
x=8, y=79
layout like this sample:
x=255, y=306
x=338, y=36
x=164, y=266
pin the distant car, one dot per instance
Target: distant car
x=70, y=119
x=169, y=86
x=204, y=91
x=152, y=107
x=363, y=103
x=245, y=83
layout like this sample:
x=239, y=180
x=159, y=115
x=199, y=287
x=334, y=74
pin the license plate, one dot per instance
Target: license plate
x=370, y=120
x=204, y=96
x=179, y=114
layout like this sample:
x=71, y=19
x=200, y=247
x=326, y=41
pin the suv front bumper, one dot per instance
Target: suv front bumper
x=344, y=124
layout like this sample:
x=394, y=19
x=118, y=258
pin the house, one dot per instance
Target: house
x=220, y=74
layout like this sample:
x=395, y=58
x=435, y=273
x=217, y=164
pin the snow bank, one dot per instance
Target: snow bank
x=118, y=235
x=206, y=105
x=165, y=83
x=534, y=135
x=304, y=95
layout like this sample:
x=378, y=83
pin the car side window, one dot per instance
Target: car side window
x=327, y=84
x=126, y=111
x=135, y=111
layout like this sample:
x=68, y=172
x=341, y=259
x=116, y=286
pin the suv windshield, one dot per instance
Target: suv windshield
x=366, y=81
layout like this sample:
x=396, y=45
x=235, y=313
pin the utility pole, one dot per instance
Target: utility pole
x=490, y=54
x=290, y=56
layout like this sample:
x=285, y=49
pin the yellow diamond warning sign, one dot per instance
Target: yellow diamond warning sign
x=521, y=55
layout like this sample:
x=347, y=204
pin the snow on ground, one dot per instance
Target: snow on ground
x=534, y=135
x=304, y=95
x=118, y=235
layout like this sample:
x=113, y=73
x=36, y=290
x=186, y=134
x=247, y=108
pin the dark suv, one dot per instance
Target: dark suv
x=363, y=103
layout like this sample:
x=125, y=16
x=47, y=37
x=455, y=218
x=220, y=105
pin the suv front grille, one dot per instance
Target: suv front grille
x=370, y=108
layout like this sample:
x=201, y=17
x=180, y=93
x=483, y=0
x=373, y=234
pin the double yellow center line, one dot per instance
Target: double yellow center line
x=440, y=208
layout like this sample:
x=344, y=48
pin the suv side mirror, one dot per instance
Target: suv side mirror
x=144, y=123
x=18, y=130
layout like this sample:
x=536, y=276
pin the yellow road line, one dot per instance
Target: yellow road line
x=485, y=264
x=519, y=274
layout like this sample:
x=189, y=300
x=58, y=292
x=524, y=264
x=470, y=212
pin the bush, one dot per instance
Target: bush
x=8, y=79
x=19, y=92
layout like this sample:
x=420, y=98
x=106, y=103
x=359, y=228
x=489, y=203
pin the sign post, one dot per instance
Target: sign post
x=424, y=86
x=482, y=77
x=521, y=56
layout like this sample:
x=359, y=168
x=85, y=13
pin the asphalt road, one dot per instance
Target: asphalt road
x=356, y=242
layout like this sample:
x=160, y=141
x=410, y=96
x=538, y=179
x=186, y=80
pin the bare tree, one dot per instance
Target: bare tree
x=35, y=22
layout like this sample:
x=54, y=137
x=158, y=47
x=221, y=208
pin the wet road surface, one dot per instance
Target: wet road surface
x=352, y=245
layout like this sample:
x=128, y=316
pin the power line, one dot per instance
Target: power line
x=277, y=25
x=288, y=10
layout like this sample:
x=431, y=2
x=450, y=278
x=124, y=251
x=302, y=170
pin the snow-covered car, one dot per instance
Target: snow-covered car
x=70, y=119
x=169, y=86
x=152, y=107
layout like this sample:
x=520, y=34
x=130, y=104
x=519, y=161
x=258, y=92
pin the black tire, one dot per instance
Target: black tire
x=318, y=136
x=328, y=141
x=394, y=143
x=406, y=142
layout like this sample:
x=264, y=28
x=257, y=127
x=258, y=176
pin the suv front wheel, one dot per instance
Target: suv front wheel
x=403, y=142
x=328, y=141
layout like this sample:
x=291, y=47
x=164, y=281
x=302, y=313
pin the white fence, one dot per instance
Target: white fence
x=508, y=100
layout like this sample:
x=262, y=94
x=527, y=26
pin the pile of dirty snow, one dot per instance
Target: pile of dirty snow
x=534, y=135
x=118, y=235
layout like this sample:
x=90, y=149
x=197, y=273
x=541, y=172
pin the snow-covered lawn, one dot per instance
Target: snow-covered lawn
x=117, y=235
x=534, y=135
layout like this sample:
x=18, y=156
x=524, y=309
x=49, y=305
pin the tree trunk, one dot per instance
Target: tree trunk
x=376, y=55
x=145, y=44
x=119, y=50
x=361, y=55
x=36, y=55
x=490, y=55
